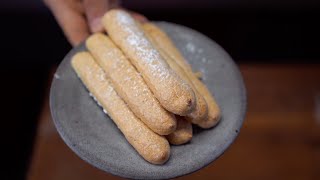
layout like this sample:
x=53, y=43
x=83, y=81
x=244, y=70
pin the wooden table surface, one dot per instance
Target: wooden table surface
x=280, y=138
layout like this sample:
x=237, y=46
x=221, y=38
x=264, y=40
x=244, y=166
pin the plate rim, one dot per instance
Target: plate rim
x=77, y=150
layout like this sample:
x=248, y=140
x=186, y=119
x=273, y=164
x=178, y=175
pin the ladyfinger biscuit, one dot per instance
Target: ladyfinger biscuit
x=198, y=74
x=173, y=93
x=165, y=43
x=200, y=112
x=151, y=146
x=182, y=134
x=130, y=85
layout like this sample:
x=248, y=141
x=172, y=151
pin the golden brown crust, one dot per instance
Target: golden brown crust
x=151, y=146
x=165, y=43
x=130, y=85
x=182, y=134
x=173, y=93
x=200, y=112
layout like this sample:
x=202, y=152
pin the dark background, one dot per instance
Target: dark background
x=284, y=32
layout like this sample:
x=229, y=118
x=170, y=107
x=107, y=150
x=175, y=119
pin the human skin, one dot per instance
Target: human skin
x=80, y=18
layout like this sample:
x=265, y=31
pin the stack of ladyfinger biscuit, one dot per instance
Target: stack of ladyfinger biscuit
x=145, y=85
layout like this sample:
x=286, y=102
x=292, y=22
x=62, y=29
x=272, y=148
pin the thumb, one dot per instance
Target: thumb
x=94, y=10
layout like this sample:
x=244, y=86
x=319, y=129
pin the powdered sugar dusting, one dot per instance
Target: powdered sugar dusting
x=102, y=75
x=198, y=53
x=190, y=47
x=118, y=110
x=141, y=45
x=57, y=76
x=204, y=60
x=125, y=18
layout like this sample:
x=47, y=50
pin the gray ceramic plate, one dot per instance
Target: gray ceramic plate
x=96, y=139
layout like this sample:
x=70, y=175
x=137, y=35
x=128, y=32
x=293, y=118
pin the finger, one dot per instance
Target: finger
x=94, y=10
x=70, y=18
x=139, y=17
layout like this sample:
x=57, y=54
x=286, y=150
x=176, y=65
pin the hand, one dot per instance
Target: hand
x=79, y=18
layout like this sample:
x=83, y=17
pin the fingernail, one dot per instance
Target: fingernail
x=96, y=25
